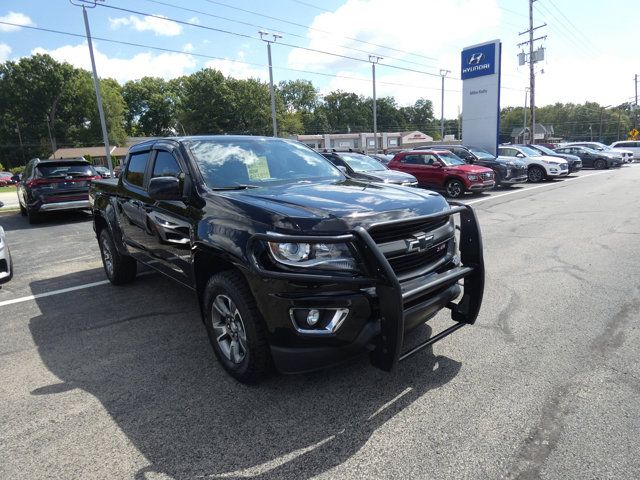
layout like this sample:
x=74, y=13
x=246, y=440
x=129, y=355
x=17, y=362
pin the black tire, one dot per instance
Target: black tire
x=120, y=269
x=536, y=174
x=236, y=320
x=600, y=164
x=23, y=211
x=32, y=216
x=454, y=188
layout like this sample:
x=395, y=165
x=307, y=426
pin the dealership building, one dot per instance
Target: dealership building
x=366, y=141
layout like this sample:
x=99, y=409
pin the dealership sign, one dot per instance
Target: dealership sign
x=480, y=73
x=478, y=61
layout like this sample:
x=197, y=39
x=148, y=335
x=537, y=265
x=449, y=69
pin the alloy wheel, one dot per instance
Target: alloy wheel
x=229, y=330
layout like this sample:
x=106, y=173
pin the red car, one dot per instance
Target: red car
x=442, y=170
x=5, y=179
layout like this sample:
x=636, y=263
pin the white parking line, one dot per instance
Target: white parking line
x=53, y=292
x=521, y=190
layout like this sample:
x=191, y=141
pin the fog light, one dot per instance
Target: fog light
x=313, y=317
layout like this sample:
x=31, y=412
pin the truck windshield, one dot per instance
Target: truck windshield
x=362, y=163
x=450, y=159
x=236, y=162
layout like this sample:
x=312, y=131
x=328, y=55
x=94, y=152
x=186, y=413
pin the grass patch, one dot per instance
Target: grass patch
x=9, y=188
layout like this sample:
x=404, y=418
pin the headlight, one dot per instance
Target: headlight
x=473, y=178
x=324, y=256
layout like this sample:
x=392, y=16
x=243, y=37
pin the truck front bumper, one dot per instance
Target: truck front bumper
x=381, y=307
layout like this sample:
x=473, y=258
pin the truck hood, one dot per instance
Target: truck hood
x=331, y=205
x=387, y=176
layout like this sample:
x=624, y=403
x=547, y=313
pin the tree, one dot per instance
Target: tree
x=347, y=111
x=151, y=106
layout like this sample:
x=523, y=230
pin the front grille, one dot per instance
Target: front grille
x=486, y=176
x=391, y=233
x=414, y=261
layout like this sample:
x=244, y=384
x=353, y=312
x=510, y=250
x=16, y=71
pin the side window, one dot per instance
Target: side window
x=508, y=152
x=338, y=162
x=136, y=167
x=428, y=159
x=412, y=160
x=166, y=165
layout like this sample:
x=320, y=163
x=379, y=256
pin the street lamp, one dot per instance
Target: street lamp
x=374, y=59
x=264, y=37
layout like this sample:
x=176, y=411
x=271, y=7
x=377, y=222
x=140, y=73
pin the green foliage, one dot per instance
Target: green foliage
x=17, y=169
x=1, y=168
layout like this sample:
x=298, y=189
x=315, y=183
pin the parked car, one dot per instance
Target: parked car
x=630, y=145
x=6, y=179
x=368, y=169
x=507, y=171
x=16, y=178
x=442, y=170
x=102, y=171
x=53, y=185
x=539, y=167
x=625, y=155
x=574, y=161
x=592, y=158
x=294, y=264
x=6, y=266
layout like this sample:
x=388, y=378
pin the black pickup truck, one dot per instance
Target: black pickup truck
x=295, y=266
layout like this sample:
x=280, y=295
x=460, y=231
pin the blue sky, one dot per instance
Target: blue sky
x=590, y=53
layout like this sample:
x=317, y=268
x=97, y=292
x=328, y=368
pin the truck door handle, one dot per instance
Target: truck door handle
x=168, y=231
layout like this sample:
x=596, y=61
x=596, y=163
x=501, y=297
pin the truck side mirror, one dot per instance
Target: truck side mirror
x=165, y=188
x=520, y=155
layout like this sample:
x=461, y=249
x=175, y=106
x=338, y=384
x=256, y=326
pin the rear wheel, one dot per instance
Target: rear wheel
x=454, y=188
x=536, y=174
x=600, y=164
x=120, y=269
x=23, y=211
x=235, y=327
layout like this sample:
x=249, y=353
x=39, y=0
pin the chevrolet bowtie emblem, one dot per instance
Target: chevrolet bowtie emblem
x=419, y=242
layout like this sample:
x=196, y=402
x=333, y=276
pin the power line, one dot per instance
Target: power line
x=585, y=38
x=253, y=25
x=312, y=6
x=212, y=57
x=318, y=30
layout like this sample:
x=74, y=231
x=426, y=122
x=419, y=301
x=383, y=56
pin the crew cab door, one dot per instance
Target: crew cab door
x=167, y=225
x=130, y=199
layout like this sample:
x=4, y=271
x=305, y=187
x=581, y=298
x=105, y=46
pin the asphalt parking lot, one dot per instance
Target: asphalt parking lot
x=121, y=382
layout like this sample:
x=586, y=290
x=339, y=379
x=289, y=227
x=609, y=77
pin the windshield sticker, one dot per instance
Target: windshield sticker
x=258, y=169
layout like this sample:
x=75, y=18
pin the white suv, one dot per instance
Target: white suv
x=539, y=167
x=631, y=145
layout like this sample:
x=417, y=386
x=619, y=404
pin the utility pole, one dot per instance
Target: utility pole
x=96, y=81
x=524, y=124
x=635, y=115
x=275, y=36
x=20, y=141
x=53, y=147
x=443, y=73
x=374, y=59
x=532, y=74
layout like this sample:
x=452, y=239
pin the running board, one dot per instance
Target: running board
x=431, y=341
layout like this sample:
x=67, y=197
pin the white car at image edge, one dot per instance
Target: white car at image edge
x=6, y=268
x=539, y=167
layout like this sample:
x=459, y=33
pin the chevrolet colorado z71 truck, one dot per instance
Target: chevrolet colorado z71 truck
x=295, y=265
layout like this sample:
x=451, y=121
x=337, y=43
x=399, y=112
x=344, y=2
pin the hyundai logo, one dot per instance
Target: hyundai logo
x=418, y=243
x=476, y=58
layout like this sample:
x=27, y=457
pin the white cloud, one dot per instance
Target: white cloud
x=236, y=69
x=165, y=65
x=423, y=27
x=194, y=20
x=188, y=47
x=5, y=51
x=159, y=26
x=14, y=17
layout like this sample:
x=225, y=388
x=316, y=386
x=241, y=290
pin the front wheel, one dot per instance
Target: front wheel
x=454, y=188
x=536, y=174
x=235, y=327
x=600, y=164
x=120, y=269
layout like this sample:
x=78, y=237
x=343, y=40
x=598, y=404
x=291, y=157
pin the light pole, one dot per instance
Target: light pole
x=443, y=73
x=96, y=80
x=264, y=37
x=374, y=59
x=602, y=109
